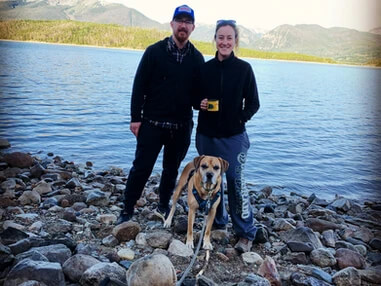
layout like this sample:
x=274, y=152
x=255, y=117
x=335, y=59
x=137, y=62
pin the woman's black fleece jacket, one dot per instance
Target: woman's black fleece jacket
x=163, y=89
x=232, y=82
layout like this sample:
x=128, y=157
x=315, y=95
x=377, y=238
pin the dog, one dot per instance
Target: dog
x=203, y=176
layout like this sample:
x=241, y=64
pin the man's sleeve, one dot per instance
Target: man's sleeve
x=140, y=86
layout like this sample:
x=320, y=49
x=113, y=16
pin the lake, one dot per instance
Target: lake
x=317, y=130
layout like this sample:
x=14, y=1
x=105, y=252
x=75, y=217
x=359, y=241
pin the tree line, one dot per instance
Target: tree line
x=116, y=36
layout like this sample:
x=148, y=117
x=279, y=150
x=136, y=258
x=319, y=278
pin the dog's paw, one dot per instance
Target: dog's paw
x=167, y=224
x=207, y=246
x=190, y=244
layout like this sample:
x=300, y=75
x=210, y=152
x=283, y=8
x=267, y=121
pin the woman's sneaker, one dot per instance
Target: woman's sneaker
x=243, y=245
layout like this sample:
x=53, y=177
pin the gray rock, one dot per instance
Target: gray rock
x=20, y=246
x=371, y=274
x=76, y=265
x=341, y=204
x=32, y=283
x=73, y=183
x=329, y=238
x=30, y=197
x=96, y=273
x=55, y=253
x=322, y=275
x=31, y=255
x=9, y=184
x=305, y=234
x=49, y=202
x=205, y=281
x=347, y=276
x=364, y=234
x=345, y=244
x=299, y=246
x=281, y=224
x=300, y=279
x=6, y=257
x=43, y=188
x=37, y=170
x=315, y=272
x=97, y=198
x=296, y=258
x=159, y=239
x=375, y=243
x=320, y=202
x=321, y=225
x=110, y=241
x=46, y=272
x=179, y=248
x=60, y=226
x=69, y=215
x=252, y=258
x=254, y=280
x=361, y=249
x=322, y=257
x=12, y=235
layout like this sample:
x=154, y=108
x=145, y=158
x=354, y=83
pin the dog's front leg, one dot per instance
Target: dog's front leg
x=211, y=215
x=191, y=218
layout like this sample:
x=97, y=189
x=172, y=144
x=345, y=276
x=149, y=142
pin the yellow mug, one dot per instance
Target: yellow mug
x=212, y=104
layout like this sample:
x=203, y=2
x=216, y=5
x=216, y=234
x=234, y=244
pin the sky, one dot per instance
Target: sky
x=362, y=15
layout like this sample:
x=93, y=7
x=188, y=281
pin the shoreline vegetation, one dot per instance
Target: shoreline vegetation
x=117, y=36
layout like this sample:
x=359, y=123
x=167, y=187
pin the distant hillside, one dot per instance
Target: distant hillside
x=340, y=44
x=80, y=10
x=376, y=31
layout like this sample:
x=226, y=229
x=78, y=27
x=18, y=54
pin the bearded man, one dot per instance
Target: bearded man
x=161, y=110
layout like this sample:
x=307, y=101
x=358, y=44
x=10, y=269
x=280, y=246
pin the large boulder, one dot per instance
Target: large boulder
x=152, y=270
x=18, y=159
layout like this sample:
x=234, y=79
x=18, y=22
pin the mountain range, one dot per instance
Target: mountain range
x=340, y=44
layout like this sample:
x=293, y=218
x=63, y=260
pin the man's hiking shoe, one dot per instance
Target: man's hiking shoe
x=123, y=217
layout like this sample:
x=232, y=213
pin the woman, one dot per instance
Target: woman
x=229, y=89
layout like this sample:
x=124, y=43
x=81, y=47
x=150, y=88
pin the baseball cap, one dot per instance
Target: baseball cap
x=184, y=10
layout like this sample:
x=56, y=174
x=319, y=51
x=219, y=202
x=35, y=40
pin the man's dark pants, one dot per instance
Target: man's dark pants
x=150, y=141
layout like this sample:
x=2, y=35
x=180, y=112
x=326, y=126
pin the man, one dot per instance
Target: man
x=161, y=110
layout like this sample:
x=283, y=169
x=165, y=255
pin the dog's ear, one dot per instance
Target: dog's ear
x=224, y=165
x=197, y=160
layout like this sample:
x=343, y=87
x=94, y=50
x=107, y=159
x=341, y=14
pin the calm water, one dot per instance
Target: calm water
x=317, y=130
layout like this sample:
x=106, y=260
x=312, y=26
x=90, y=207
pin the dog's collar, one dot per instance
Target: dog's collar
x=203, y=205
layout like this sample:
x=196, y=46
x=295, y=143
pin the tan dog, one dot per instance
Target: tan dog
x=206, y=181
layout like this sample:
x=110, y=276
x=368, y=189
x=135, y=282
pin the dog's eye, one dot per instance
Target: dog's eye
x=216, y=168
x=204, y=166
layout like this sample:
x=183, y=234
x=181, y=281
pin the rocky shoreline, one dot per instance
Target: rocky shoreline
x=57, y=227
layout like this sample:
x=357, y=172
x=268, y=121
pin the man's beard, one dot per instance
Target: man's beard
x=181, y=38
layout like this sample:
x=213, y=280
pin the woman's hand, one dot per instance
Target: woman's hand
x=204, y=104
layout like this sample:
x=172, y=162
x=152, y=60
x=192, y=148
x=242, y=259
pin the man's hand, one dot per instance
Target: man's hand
x=134, y=127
